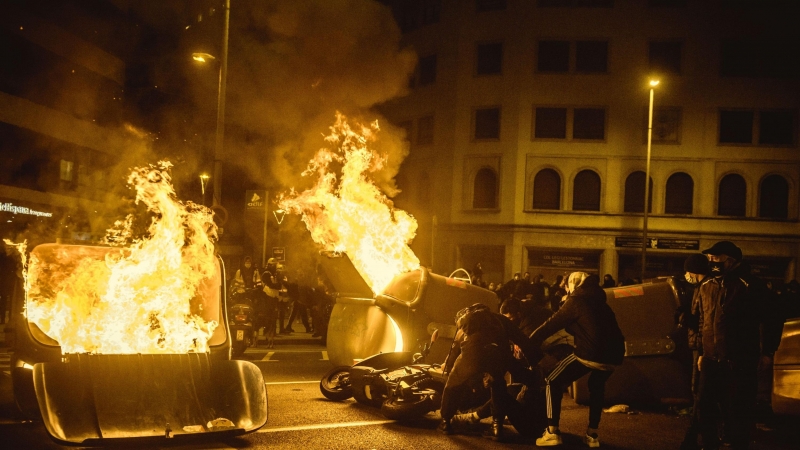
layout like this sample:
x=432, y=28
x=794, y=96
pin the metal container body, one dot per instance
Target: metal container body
x=400, y=318
x=657, y=366
x=786, y=371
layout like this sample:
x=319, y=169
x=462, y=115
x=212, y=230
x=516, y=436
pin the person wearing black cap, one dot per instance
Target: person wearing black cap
x=730, y=346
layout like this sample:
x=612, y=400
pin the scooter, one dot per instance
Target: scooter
x=240, y=317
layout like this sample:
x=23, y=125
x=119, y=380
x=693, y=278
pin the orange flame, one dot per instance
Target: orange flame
x=145, y=298
x=350, y=214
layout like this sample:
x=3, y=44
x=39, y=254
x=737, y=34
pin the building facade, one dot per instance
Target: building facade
x=528, y=120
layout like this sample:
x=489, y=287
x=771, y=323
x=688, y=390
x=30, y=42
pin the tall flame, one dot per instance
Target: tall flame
x=349, y=213
x=144, y=298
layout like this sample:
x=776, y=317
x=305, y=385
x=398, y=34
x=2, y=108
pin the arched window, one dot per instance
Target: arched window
x=484, y=193
x=634, y=193
x=547, y=190
x=680, y=193
x=586, y=191
x=732, y=199
x=774, y=197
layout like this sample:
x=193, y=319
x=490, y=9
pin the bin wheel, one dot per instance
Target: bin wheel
x=406, y=409
x=238, y=348
x=335, y=384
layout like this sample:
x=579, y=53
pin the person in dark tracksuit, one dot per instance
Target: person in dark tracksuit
x=599, y=348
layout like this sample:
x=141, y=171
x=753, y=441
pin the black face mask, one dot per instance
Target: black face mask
x=717, y=267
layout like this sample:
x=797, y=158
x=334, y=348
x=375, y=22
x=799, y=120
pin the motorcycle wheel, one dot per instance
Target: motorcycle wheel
x=335, y=384
x=401, y=409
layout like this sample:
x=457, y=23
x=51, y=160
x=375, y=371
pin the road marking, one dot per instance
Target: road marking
x=324, y=426
x=267, y=358
x=324, y=356
x=291, y=382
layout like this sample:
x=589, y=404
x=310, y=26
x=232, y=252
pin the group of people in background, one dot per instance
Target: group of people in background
x=275, y=295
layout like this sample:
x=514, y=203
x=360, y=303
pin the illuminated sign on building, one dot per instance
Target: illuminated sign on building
x=12, y=208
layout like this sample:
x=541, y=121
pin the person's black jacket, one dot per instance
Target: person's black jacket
x=483, y=327
x=587, y=317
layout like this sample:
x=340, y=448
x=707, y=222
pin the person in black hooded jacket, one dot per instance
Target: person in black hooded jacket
x=599, y=348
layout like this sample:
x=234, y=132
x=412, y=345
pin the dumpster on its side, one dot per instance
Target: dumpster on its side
x=786, y=371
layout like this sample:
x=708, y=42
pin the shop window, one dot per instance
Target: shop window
x=774, y=197
x=425, y=130
x=736, y=127
x=487, y=123
x=427, y=70
x=680, y=194
x=547, y=190
x=634, y=193
x=589, y=123
x=586, y=191
x=553, y=56
x=732, y=199
x=489, y=58
x=550, y=123
x=665, y=57
x=484, y=192
x=591, y=56
x=490, y=5
x=776, y=127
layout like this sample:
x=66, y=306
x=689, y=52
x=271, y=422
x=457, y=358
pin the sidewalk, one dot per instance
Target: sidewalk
x=295, y=338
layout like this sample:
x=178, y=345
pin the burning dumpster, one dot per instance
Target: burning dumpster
x=91, y=371
x=403, y=314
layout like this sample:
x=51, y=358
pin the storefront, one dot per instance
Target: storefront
x=552, y=262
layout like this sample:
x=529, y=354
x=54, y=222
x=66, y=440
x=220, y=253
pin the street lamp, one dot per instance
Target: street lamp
x=223, y=77
x=203, y=182
x=653, y=84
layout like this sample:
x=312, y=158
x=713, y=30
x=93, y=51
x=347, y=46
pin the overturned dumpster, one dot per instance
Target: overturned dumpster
x=364, y=323
x=86, y=393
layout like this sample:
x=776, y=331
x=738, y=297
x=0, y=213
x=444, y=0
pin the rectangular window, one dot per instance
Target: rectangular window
x=550, y=123
x=666, y=125
x=591, y=56
x=553, y=56
x=765, y=58
x=487, y=123
x=425, y=130
x=427, y=70
x=776, y=127
x=489, y=5
x=589, y=123
x=667, y=3
x=489, y=58
x=66, y=170
x=736, y=127
x=665, y=57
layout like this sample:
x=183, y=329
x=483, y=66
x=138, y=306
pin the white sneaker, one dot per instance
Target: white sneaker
x=592, y=441
x=549, y=439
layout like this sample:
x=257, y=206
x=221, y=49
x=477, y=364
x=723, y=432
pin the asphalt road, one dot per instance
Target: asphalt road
x=300, y=418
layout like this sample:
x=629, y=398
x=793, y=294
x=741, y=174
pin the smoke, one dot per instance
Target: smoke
x=292, y=65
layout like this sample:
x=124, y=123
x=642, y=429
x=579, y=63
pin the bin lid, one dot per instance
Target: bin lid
x=344, y=276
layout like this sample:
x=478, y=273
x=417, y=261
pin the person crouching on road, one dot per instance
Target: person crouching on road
x=599, y=348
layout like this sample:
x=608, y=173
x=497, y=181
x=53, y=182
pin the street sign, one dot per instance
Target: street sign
x=279, y=253
x=255, y=201
x=657, y=243
x=564, y=259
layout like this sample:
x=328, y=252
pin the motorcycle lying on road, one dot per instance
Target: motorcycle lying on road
x=400, y=383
